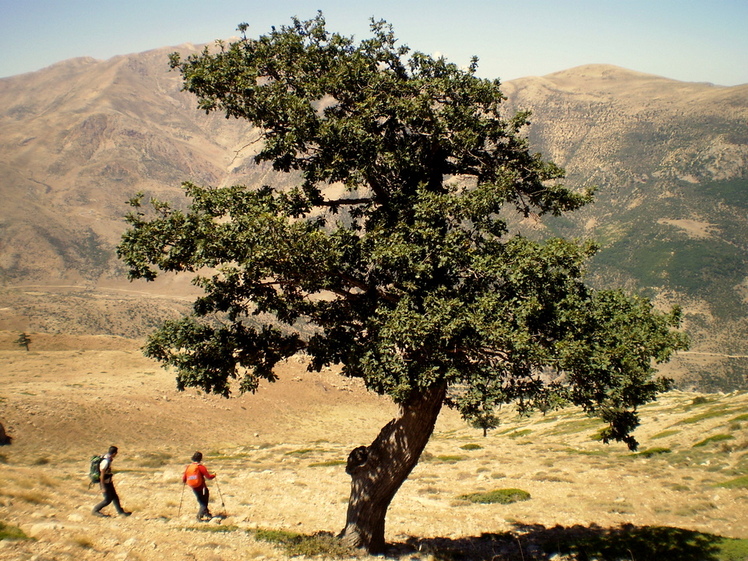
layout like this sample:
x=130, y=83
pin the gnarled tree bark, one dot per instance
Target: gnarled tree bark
x=377, y=471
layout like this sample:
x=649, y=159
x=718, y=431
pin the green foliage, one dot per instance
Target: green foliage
x=500, y=496
x=471, y=447
x=409, y=279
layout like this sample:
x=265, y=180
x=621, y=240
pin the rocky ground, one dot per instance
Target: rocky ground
x=279, y=455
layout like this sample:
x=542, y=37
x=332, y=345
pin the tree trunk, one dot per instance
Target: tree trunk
x=377, y=471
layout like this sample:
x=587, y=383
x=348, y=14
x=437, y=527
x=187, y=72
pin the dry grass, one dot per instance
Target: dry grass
x=279, y=456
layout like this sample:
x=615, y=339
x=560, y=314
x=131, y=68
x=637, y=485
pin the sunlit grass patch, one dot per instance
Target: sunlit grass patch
x=519, y=433
x=328, y=463
x=715, y=438
x=447, y=458
x=302, y=452
x=711, y=414
x=155, y=459
x=576, y=426
x=651, y=452
x=213, y=528
x=664, y=434
x=737, y=483
x=498, y=496
x=31, y=497
x=84, y=542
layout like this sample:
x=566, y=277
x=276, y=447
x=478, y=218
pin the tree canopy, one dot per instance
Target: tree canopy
x=392, y=253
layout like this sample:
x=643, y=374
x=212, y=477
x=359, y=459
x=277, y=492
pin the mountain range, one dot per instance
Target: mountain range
x=669, y=160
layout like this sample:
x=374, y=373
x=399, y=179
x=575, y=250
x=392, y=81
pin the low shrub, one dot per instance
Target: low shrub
x=294, y=544
x=8, y=532
x=500, y=496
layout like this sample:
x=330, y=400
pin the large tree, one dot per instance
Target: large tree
x=390, y=255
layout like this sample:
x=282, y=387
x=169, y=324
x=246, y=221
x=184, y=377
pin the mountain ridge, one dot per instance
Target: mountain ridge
x=669, y=159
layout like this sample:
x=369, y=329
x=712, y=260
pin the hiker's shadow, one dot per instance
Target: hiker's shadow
x=538, y=543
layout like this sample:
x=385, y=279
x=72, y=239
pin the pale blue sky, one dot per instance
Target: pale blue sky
x=689, y=40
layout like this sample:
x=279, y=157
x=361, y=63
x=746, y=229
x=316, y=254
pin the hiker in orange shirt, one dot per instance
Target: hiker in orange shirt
x=195, y=475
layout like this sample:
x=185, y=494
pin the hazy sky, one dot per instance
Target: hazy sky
x=690, y=40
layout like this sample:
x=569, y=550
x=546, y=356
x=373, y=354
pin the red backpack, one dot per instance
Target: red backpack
x=193, y=476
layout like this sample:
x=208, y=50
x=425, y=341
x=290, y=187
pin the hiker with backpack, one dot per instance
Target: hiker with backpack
x=195, y=475
x=106, y=483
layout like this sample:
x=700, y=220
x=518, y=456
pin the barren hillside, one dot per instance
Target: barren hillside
x=80, y=138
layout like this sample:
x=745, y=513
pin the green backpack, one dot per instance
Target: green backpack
x=94, y=469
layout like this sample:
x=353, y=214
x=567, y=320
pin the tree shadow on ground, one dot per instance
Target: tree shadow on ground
x=582, y=543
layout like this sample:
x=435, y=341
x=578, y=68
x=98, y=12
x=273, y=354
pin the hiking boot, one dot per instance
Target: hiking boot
x=99, y=514
x=125, y=513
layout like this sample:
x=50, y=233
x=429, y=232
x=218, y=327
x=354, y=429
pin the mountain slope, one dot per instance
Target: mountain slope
x=669, y=159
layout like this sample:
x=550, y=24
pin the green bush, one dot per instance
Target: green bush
x=500, y=496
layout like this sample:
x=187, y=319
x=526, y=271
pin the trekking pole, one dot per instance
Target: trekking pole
x=221, y=495
x=179, y=513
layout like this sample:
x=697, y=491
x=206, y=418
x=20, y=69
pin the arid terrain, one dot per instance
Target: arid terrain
x=279, y=453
